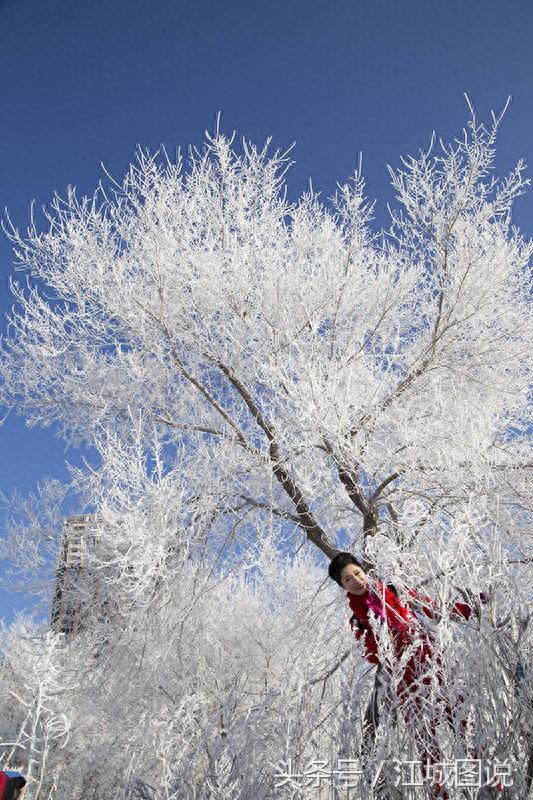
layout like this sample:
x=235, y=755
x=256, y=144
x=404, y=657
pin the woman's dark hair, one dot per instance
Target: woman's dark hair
x=337, y=564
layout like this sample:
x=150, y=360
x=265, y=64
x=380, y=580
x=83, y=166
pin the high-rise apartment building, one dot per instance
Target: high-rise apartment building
x=76, y=588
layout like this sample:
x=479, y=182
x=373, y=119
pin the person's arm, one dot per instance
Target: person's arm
x=466, y=609
x=369, y=641
x=357, y=631
x=425, y=604
x=459, y=611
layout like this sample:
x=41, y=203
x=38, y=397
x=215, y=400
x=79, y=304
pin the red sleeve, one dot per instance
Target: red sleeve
x=462, y=610
x=426, y=604
x=357, y=632
x=369, y=641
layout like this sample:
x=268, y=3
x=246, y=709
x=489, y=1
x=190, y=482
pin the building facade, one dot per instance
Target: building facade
x=76, y=592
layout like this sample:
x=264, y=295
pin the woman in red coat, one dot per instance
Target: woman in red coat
x=373, y=601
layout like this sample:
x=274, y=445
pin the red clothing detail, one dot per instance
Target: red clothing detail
x=428, y=606
x=401, y=621
x=382, y=603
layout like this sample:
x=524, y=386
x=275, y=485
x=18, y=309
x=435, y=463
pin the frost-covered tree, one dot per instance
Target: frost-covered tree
x=255, y=374
x=203, y=683
x=267, y=339
x=35, y=716
x=197, y=685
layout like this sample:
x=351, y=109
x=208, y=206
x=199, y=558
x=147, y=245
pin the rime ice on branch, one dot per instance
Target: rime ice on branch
x=288, y=340
x=250, y=369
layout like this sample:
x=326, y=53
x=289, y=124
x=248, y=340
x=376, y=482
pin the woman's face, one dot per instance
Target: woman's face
x=354, y=579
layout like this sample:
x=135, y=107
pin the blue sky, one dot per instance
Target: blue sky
x=83, y=83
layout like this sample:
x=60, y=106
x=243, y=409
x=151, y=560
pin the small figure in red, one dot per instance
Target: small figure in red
x=374, y=601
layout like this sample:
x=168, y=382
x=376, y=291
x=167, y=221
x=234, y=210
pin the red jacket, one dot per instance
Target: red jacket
x=383, y=603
